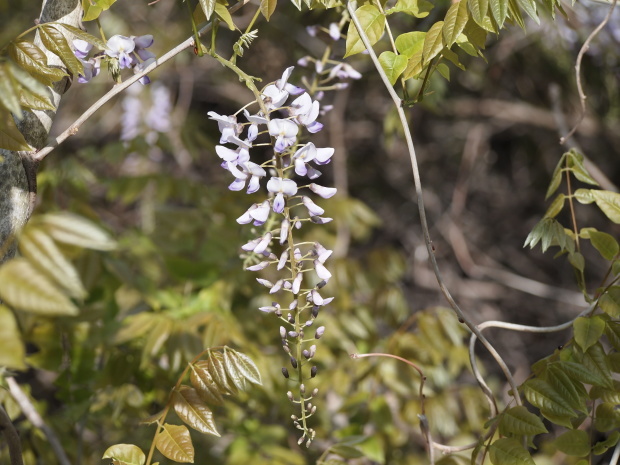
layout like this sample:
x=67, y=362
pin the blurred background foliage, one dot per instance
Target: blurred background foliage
x=487, y=142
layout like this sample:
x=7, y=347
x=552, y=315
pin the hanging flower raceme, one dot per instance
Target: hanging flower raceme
x=297, y=270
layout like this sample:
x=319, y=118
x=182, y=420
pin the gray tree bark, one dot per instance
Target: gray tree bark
x=17, y=169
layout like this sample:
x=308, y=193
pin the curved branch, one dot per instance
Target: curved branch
x=418, y=188
x=12, y=438
x=117, y=89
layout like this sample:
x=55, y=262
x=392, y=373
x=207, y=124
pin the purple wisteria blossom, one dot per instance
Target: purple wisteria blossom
x=121, y=47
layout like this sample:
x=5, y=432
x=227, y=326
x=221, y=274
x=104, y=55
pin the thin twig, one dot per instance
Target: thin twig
x=418, y=188
x=117, y=89
x=582, y=52
x=12, y=438
x=35, y=418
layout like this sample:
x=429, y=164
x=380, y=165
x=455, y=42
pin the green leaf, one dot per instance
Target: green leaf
x=572, y=391
x=556, y=177
x=607, y=417
x=414, y=65
x=175, y=443
x=529, y=6
x=80, y=34
x=12, y=350
x=454, y=22
x=373, y=24
x=588, y=331
x=93, y=8
x=125, y=454
x=10, y=137
x=541, y=394
x=346, y=451
x=267, y=7
x=9, y=93
x=574, y=442
x=452, y=58
x=222, y=12
x=584, y=196
x=417, y=8
x=208, y=7
x=433, y=42
x=23, y=287
x=32, y=93
x=611, y=396
x=33, y=101
x=190, y=408
x=556, y=206
x=444, y=71
x=605, y=243
x=478, y=10
x=74, y=230
x=602, y=446
x=475, y=34
x=612, y=331
x=580, y=373
x=243, y=365
x=55, y=42
x=409, y=43
x=575, y=164
x=518, y=420
x=499, y=10
x=32, y=59
x=509, y=451
x=393, y=65
x=43, y=253
x=609, y=203
x=595, y=360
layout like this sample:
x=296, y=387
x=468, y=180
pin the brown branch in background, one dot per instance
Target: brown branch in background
x=35, y=418
x=12, y=438
x=582, y=51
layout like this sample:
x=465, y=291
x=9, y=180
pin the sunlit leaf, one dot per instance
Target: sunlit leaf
x=588, y=331
x=32, y=59
x=414, y=65
x=499, y=10
x=125, y=454
x=75, y=230
x=433, y=42
x=175, y=443
x=10, y=137
x=9, y=94
x=32, y=94
x=609, y=203
x=203, y=382
x=12, y=348
x=190, y=408
x=222, y=12
x=92, y=10
x=23, y=287
x=478, y=10
x=56, y=42
x=509, y=451
x=518, y=420
x=454, y=22
x=208, y=7
x=574, y=442
x=217, y=370
x=80, y=34
x=409, y=43
x=245, y=366
x=417, y=8
x=267, y=7
x=393, y=65
x=373, y=24
x=529, y=6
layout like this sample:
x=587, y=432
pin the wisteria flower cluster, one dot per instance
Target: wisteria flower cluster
x=121, y=52
x=298, y=271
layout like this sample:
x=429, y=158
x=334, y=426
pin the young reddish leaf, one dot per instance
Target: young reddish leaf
x=191, y=409
x=203, y=382
x=175, y=443
x=22, y=286
x=574, y=442
x=455, y=21
x=509, y=451
x=125, y=454
x=217, y=371
x=518, y=420
x=246, y=367
x=10, y=137
x=56, y=42
x=373, y=24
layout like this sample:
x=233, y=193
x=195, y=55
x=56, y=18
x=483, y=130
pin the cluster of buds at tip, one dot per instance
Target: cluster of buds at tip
x=297, y=270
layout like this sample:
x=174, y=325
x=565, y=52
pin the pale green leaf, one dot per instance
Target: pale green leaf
x=575, y=164
x=610, y=302
x=12, y=350
x=232, y=372
x=433, y=42
x=43, y=253
x=556, y=206
x=452, y=58
x=444, y=71
x=588, y=331
x=175, y=443
x=33, y=101
x=518, y=420
x=609, y=203
x=208, y=7
x=346, y=451
x=475, y=34
x=10, y=137
x=157, y=336
x=556, y=178
x=373, y=24
x=9, y=91
x=222, y=12
x=83, y=35
x=190, y=408
x=57, y=43
x=125, y=454
x=584, y=196
x=75, y=230
x=605, y=243
x=393, y=65
x=204, y=384
x=33, y=94
x=529, y=6
x=499, y=10
x=93, y=8
x=607, y=417
x=478, y=10
x=244, y=366
x=267, y=7
x=417, y=8
x=602, y=446
x=414, y=65
x=409, y=43
x=595, y=360
x=454, y=22
x=574, y=442
x=541, y=394
x=23, y=287
x=509, y=451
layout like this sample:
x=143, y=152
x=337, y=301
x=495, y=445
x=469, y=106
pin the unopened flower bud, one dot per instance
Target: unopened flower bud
x=308, y=405
x=315, y=391
x=291, y=318
x=309, y=323
x=294, y=362
x=301, y=439
x=294, y=417
x=313, y=371
x=315, y=311
x=282, y=332
x=312, y=410
x=278, y=313
x=285, y=372
x=312, y=350
x=302, y=388
x=306, y=353
x=293, y=305
x=321, y=284
x=293, y=334
x=319, y=332
x=286, y=348
x=289, y=394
